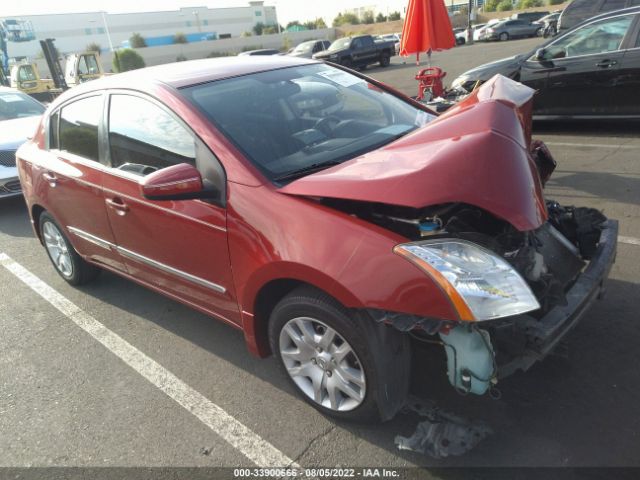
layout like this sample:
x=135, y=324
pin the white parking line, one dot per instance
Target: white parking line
x=250, y=444
x=629, y=240
x=594, y=145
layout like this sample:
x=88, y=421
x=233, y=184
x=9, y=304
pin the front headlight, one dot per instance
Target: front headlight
x=460, y=81
x=480, y=284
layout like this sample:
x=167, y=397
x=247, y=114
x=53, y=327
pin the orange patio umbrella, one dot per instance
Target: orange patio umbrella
x=426, y=28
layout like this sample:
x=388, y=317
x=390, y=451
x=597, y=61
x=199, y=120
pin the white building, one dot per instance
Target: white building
x=74, y=31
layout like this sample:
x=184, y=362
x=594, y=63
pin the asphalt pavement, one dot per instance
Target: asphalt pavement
x=111, y=374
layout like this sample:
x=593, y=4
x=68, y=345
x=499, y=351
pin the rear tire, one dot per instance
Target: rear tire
x=504, y=36
x=69, y=265
x=346, y=62
x=360, y=385
x=385, y=60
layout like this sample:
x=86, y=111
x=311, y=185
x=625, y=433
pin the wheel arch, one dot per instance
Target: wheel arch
x=36, y=211
x=260, y=299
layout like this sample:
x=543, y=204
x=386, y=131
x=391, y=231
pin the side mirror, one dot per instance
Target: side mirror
x=540, y=54
x=178, y=182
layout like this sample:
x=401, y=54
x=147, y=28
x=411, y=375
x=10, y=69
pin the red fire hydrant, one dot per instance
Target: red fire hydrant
x=430, y=79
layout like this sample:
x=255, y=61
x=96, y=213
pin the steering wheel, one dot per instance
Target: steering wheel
x=327, y=124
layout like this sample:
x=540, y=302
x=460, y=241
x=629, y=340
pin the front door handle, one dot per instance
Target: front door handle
x=118, y=205
x=51, y=179
x=606, y=63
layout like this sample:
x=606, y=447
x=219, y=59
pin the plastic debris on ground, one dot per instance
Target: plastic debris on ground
x=442, y=434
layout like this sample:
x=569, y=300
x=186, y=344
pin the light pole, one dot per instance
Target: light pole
x=469, y=25
x=106, y=29
x=198, y=21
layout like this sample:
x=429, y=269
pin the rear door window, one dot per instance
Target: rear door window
x=144, y=137
x=78, y=130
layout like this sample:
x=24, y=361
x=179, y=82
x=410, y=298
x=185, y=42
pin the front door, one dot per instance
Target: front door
x=583, y=68
x=627, y=96
x=177, y=246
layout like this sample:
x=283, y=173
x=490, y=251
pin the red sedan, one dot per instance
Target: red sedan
x=327, y=216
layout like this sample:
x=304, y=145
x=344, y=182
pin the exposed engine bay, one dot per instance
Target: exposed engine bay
x=550, y=259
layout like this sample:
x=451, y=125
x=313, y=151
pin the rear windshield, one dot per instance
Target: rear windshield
x=300, y=118
x=18, y=105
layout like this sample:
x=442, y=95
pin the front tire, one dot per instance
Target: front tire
x=346, y=62
x=337, y=363
x=69, y=265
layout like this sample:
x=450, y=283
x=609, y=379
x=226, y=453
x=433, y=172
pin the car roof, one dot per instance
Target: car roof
x=183, y=74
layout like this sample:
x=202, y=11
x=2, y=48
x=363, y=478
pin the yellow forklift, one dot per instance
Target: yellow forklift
x=79, y=68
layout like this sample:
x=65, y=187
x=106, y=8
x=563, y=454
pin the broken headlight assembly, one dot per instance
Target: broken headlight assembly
x=480, y=284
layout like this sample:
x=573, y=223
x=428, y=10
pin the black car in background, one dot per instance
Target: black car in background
x=590, y=71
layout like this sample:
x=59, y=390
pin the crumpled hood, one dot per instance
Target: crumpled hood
x=14, y=133
x=476, y=153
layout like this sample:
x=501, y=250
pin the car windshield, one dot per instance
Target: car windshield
x=292, y=121
x=18, y=105
x=304, y=47
x=340, y=43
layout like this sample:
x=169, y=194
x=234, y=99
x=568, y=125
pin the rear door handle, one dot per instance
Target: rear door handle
x=51, y=179
x=606, y=63
x=118, y=205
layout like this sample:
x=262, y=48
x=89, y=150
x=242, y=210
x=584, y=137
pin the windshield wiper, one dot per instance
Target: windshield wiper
x=315, y=167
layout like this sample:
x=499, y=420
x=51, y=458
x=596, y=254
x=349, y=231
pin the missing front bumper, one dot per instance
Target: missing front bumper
x=542, y=335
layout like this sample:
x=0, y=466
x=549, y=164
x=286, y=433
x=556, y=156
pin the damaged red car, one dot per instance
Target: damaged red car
x=324, y=214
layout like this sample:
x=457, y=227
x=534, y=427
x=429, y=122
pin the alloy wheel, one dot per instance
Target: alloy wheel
x=322, y=364
x=57, y=248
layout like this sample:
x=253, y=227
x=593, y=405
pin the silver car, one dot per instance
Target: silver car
x=307, y=49
x=511, y=29
x=19, y=117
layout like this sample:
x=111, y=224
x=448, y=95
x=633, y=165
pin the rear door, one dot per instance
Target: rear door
x=584, y=66
x=71, y=177
x=176, y=246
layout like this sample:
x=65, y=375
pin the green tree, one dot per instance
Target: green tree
x=394, y=16
x=246, y=34
x=137, y=41
x=380, y=18
x=310, y=25
x=293, y=23
x=258, y=28
x=529, y=3
x=345, y=19
x=368, y=17
x=505, y=6
x=491, y=5
x=270, y=30
x=320, y=23
x=179, y=38
x=555, y=2
x=93, y=47
x=127, y=59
